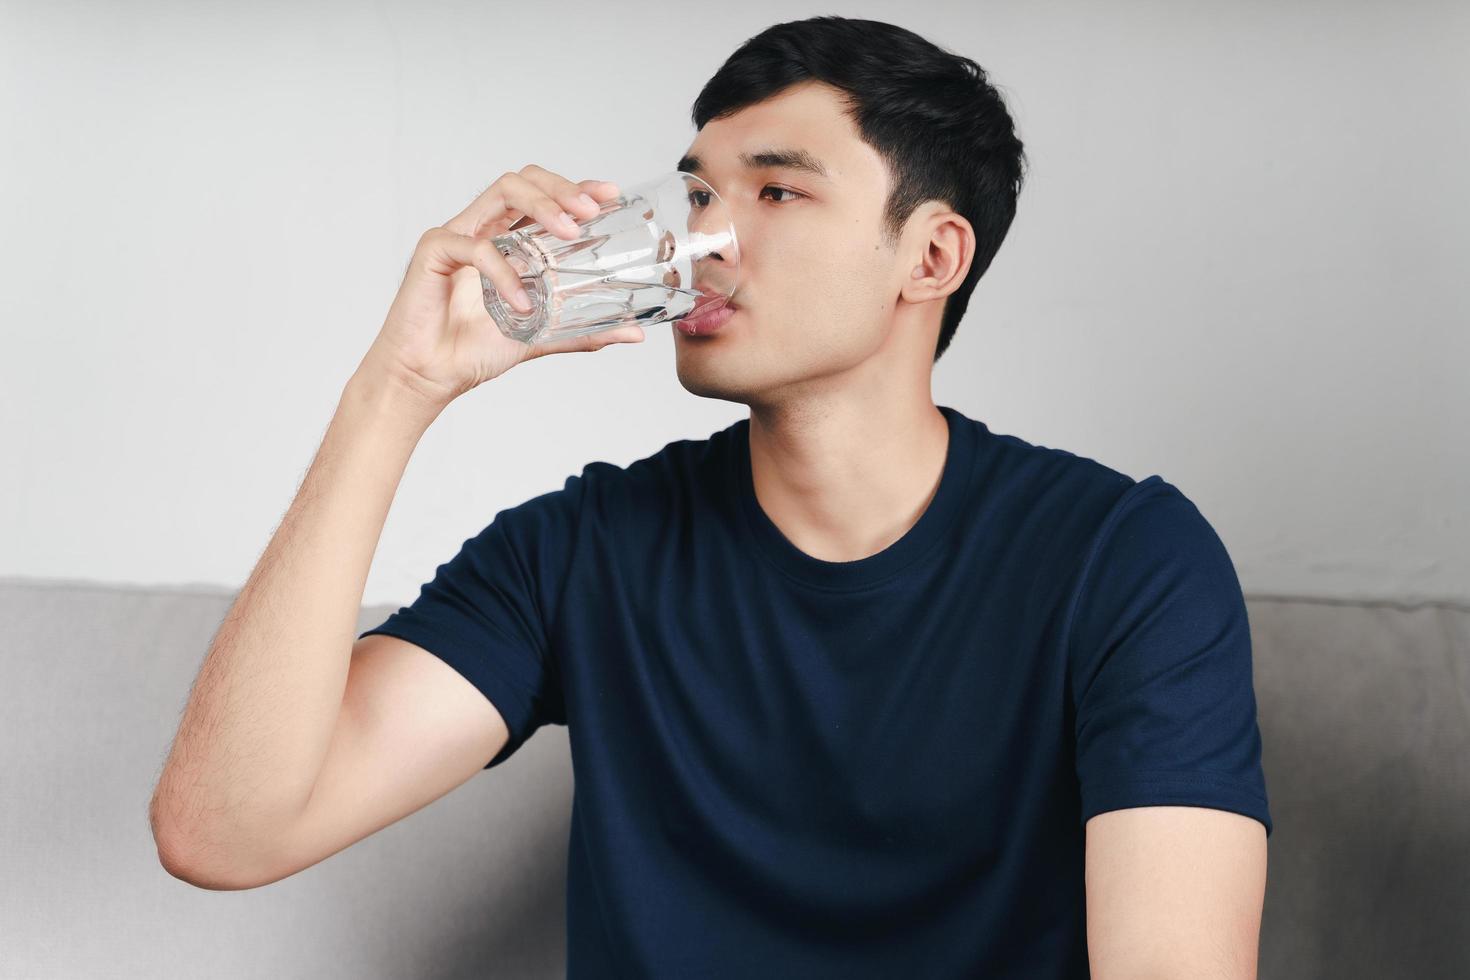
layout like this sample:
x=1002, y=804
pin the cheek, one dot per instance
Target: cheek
x=832, y=262
x=855, y=280
x=828, y=277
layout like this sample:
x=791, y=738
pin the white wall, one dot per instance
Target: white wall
x=1239, y=263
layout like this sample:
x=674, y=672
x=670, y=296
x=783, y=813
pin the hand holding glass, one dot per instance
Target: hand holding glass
x=657, y=253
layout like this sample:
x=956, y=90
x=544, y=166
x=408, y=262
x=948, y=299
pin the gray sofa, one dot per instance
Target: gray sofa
x=1364, y=711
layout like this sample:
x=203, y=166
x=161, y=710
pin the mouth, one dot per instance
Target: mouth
x=710, y=313
x=714, y=297
x=708, y=321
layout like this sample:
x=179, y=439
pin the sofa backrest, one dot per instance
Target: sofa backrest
x=1364, y=711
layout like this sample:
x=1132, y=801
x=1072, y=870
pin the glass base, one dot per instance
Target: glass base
x=511, y=321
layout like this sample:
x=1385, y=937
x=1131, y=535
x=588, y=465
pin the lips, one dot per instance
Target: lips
x=713, y=296
x=711, y=311
x=705, y=322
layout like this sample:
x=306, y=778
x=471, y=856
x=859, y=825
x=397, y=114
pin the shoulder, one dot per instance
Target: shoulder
x=1153, y=519
x=604, y=492
x=1037, y=463
x=1087, y=520
x=1108, y=498
x=661, y=481
x=1155, y=559
x=1064, y=496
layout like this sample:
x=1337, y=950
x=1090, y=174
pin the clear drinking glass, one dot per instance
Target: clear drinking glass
x=653, y=254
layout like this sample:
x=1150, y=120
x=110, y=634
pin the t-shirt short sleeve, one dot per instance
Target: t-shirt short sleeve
x=1160, y=665
x=487, y=611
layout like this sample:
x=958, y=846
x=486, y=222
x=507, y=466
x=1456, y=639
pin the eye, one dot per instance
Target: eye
x=700, y=198
x=772, y=187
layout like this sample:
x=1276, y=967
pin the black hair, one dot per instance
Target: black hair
x=934, y=117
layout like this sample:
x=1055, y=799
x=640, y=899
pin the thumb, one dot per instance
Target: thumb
x=587, y=342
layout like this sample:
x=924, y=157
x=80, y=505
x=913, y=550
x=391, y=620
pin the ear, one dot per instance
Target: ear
x=948, y=247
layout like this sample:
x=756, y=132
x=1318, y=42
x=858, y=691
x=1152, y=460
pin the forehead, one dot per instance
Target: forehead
x=802, y=129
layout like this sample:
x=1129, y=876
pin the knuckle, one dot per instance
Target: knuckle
x=507, y=179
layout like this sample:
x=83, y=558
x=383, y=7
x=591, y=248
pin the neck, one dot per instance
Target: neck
x=845, y=478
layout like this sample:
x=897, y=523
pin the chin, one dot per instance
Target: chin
x=703, y=384
x=703, y=377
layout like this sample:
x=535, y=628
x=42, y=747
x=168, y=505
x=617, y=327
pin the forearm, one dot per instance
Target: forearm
x=259, y=719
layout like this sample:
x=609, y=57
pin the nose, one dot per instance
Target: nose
x=712, y=234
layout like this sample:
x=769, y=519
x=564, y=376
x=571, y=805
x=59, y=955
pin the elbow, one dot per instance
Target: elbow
x=193, y=864
x=188, y=867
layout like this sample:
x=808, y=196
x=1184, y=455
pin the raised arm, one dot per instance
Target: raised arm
x=289, y=721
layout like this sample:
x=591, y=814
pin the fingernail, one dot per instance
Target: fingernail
x=520, y=298
x=567, y=219
x=587, y=200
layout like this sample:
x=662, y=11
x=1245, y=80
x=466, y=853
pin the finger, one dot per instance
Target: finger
x=444, y=252
x=488, y=206
x=587, y=342
x=600, y=192
x=546, y=197
x=512, y=197
x=509, y=197
x=574, y=199
x=561, y=205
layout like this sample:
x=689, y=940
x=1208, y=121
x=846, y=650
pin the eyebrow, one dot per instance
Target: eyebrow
x=780, y=159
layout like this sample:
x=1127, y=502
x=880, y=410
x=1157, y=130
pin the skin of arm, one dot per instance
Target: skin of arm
x=262, y=711
x=1174, y=891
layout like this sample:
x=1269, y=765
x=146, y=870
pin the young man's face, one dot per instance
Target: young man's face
x=817, y=285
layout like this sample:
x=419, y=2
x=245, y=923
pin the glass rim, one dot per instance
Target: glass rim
x=734, y=235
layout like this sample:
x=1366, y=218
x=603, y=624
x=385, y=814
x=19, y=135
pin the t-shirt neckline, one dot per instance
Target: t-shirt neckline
x=931, y=526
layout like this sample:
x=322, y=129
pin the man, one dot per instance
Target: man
x=855, y=687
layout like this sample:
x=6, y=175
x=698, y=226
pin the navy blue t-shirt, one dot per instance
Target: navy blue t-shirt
x=792, y=767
